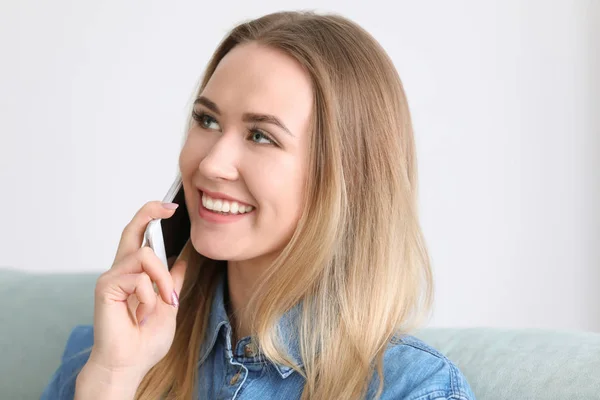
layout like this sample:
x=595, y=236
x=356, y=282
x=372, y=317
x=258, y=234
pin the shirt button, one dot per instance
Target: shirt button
x=235, y=378
x=250, y=350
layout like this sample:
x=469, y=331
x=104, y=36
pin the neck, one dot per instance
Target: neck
x=242, y=277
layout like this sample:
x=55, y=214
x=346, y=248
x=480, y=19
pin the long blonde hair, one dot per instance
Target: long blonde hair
x=357, y=261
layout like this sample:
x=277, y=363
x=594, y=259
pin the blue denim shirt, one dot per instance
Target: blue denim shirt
x=412, y=369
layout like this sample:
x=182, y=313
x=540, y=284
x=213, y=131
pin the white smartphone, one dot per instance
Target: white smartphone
x=168, y=236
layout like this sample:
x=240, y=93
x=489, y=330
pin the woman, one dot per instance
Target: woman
x=300, y=175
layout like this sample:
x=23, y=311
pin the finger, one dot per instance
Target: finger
x=133, y=234
x=145, y=260
x=145, y=295
x=132, y=305
x=133, y=285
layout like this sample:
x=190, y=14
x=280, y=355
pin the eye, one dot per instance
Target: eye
x=258, y=136
x=204, y=120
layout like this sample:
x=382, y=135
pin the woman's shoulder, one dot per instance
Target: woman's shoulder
x=415, y=370
x=75, y=355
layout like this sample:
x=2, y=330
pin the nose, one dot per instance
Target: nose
x=221, y=161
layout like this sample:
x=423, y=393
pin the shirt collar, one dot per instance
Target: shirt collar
x=288, y=327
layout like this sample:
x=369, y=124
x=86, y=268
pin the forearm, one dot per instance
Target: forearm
x=94, y=383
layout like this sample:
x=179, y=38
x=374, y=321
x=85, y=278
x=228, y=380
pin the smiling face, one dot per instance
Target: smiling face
x=249, y=142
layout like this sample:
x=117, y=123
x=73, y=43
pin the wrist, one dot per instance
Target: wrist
x=96, y=382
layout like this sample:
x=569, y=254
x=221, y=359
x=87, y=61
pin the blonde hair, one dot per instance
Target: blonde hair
x=357, y=261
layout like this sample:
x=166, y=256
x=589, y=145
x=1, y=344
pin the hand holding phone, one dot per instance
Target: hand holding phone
x=129, y=342
x=167, y=237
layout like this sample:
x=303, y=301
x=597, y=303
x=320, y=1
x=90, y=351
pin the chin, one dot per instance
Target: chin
x=211, y=250
x=216, y=249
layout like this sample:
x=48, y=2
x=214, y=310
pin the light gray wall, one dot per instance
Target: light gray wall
x=504, y=94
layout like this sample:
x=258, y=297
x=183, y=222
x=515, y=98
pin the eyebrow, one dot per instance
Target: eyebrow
x=246, y=117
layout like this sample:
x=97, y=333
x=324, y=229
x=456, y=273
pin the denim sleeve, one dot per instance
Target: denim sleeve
x=62, y=383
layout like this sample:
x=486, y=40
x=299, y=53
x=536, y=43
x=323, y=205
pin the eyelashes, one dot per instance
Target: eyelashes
x=199, y=118
x=204, y=120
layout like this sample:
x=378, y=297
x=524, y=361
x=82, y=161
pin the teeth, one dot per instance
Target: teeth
x=217, y=205
x=224, y=206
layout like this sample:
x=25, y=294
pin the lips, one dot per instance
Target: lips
x=224, y=206
x=222, y=196
x=215, y=217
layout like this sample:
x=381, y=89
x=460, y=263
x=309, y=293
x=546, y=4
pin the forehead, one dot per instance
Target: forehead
x=256, y=78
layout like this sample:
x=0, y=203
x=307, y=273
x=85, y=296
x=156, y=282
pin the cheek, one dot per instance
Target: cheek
x=280, y=189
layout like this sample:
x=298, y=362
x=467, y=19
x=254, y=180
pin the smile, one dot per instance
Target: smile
x=224, y=206
x=222, y=211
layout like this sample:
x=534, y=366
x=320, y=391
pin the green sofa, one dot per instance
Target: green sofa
x=38, y=312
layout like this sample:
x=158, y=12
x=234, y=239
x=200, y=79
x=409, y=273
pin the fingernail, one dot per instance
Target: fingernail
x=174, y=299
x=143, y=321
x=170, y=206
